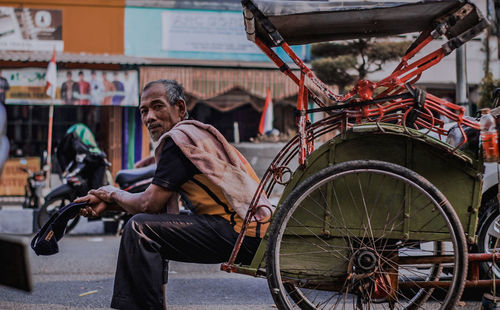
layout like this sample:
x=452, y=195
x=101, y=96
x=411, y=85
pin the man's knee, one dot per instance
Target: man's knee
x=135, y=224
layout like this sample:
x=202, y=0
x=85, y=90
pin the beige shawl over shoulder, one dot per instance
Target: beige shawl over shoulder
x=210, y=152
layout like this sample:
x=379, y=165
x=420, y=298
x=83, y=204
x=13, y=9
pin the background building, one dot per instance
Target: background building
x=203, y=45
x=482, y=54
x=88, y=37
x=200, y=43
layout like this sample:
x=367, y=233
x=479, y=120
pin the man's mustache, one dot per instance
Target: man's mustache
x=152, y=126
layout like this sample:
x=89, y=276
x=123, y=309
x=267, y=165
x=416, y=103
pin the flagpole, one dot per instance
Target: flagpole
x=50, y=89
x=49, y=143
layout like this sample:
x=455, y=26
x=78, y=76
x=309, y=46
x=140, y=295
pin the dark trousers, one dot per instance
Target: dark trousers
x=150, y=240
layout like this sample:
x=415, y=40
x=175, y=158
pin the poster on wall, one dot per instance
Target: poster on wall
x=29, y=29
x=74, y=87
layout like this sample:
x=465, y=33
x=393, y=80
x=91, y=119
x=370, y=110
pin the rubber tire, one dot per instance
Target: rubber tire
x=44, y=214
x=282, y=214
x=489, y=212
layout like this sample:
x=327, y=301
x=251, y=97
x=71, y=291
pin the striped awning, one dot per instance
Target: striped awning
x=204, y=84
x=81, y=58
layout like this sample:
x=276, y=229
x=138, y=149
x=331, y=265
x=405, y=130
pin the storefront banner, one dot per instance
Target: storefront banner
x=25, y=29
x=197, y=31
x=193, y=34
x=75, y=87
x=13, y=178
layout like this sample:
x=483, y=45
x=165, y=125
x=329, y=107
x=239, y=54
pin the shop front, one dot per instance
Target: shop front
x=97, y=85
x=204, y=47
x=231, y=99
x=99, y=91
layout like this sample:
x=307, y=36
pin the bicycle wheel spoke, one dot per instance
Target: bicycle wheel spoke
x=343, y=240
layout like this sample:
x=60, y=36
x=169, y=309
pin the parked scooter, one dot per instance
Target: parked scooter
x=86, y=168
x=35, y=182
x=133, y=181
x=488, y=214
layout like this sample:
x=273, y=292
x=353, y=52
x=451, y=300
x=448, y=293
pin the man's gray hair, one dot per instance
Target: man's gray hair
x=173, y=91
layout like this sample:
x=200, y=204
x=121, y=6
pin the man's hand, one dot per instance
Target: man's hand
x=262, y=213
x=104, y=193
x=95, y=206
x=152, y=200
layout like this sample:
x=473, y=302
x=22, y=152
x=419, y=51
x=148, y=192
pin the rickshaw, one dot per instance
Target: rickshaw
x=381, y=215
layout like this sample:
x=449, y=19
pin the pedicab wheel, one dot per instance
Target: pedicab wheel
x=50, y=207
x=366, y=234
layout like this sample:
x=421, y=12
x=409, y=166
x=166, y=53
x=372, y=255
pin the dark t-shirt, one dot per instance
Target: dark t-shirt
x=174, y=171
x=173, y=168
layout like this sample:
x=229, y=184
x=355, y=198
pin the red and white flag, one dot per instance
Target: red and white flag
x=267, y=117
x=51, y=77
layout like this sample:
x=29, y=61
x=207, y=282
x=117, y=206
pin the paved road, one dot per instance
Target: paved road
x=87, y=264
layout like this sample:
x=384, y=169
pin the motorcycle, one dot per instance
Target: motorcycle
x=35, y=183
x=86, y=168
x=133, y=181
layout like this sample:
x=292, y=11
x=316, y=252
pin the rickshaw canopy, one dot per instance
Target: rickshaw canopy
x=303, y=22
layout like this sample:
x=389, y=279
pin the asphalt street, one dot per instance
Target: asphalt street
x=86, y=264
x=81, y=275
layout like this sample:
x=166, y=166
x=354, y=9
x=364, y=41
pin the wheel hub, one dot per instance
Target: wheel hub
x=365, y=260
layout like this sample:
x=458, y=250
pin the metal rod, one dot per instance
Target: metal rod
x=431, y=259
x=484, y=257
x=462, y=87
x=445, y=284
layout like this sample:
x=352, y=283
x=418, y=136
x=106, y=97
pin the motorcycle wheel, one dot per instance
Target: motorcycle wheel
x=50, y=207
x=487, y=232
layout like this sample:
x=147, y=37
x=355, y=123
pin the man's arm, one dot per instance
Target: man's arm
x=172, y=171
x=153, y=200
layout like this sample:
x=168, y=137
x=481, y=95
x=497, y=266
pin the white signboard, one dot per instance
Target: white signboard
x=30, y=29
x=196, y=31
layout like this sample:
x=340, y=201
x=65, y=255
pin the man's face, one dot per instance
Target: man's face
x=157, y=113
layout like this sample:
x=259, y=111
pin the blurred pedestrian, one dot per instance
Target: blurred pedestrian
x=119, y=93
x=109, y=89
x=96, y=89
x=70, y=90
x=84, y=87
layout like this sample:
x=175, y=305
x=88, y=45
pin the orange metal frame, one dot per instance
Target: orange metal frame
x=398, y=82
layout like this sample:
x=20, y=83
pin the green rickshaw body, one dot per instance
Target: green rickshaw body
x=454, y=173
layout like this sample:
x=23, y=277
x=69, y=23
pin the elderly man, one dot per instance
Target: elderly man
x=193, y=158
